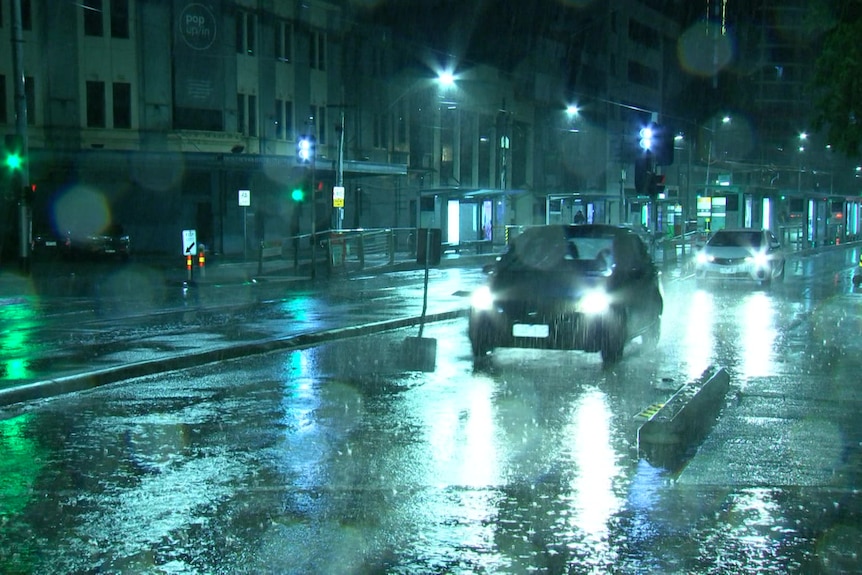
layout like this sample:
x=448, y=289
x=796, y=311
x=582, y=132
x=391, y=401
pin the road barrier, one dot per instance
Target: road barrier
x=681, y=423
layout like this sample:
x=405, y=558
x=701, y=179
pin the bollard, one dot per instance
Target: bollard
x=189, y=265
x=202, y=260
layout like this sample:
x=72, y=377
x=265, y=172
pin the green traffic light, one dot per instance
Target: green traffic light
x=297, y=195
x=14, y=161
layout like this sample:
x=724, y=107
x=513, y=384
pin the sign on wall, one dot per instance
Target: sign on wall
x=198, y=62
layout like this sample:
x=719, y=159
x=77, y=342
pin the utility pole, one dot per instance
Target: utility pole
x=21, y=177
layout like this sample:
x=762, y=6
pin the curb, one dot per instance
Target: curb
x=97, y=378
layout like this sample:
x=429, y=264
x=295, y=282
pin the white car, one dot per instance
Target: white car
x=741, y=254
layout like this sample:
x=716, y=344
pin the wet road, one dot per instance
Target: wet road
x=128, y=315
x=339, y=458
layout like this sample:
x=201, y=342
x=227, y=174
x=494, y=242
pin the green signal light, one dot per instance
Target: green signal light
x=297, y=195
x=14, y=161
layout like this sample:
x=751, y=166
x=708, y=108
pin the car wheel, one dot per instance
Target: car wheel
x=480, y=342
x=653, y=333
x=780, y=276
x=613, y=340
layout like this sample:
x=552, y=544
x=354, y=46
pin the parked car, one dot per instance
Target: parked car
x=112, y=242
x=590, y=287
x=741, y=254
x=48, y=245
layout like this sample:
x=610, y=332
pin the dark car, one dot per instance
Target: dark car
x=572, y=287
x=48, y=245
x=112, y=242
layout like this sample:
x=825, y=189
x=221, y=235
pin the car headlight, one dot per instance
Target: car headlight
x=482, y=299
x=759, y=259
x=703, y=258
x=594, y=302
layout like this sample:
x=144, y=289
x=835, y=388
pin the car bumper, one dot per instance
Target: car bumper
x=744, y=272
x=566, y=332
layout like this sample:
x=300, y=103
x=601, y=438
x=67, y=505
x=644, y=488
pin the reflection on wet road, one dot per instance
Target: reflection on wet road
x=335, y=459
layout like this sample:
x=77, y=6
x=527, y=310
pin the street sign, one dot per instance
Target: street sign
x=245, y=197
x=190, y=243
x=338, y=197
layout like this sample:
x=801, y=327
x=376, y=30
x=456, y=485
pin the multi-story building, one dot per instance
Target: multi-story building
x=157, y=114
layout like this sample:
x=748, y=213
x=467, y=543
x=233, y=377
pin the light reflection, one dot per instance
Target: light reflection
x=301, y=398
x=594, y=501
x=303, y=308
x=758, y=335
x=699, y=340
x=19, y=466
x=752, y=518
x=461, y=439
x=17, y=317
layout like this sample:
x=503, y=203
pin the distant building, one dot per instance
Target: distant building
x=156, y=114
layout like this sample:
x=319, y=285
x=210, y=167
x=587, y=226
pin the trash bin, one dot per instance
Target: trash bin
x=429, y=245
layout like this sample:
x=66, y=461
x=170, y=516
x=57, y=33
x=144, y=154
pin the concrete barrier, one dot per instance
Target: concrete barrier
x=680, y=424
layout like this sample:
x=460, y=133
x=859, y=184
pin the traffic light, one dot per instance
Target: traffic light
x=657, y=140
x=13, y=152
x=646, y=134
x=656, y=185
x=306, y=148
x=662, y=145
x=297, y=194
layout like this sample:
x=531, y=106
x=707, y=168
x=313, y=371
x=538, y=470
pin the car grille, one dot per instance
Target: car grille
x=729, y=261
x=535, y=312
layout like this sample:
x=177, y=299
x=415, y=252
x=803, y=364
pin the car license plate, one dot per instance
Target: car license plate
x=530, y=330
x=50, y=244
x=728, y=270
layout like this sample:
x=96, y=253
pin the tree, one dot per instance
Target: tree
x=838, y=80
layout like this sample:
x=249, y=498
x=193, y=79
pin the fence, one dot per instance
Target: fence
x=344, y=251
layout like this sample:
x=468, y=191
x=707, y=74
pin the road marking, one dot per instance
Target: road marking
x=649, y=412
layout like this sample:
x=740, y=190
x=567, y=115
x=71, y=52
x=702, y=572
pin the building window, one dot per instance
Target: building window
x=401, y=124
x=119, y=18
x=95, y=104
x=379, y=131
x=30, y=99
x=240, y=113
x=283, y=119
x=317, y=51
x=26, y=15
x=122, y=105
x=644, y=35
x=252, y=116
x=246, y=114
x=284, y=41
x=315, y=125
x=93, y=18
x=321, y=125
x=245, y=33
x=4, y=116
x=643, y=75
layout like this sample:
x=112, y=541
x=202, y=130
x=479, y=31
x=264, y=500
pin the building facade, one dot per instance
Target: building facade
x=167, y=115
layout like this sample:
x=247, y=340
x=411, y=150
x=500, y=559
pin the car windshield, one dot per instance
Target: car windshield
x=554, y=249
x=431, y=286
x=752, y=239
